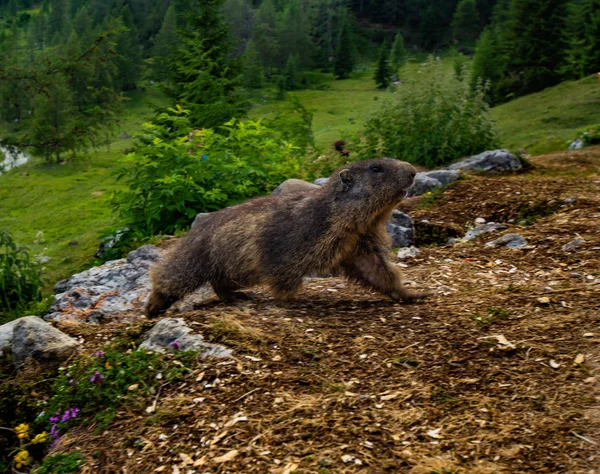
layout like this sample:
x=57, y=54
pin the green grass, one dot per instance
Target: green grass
x=342, y=108
x=549, y=120
x=68, y=203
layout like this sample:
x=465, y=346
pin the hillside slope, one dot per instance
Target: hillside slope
x=549, y=120
x=499, y=372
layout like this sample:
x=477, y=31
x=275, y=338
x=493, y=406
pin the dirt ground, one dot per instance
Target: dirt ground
x=497, y=373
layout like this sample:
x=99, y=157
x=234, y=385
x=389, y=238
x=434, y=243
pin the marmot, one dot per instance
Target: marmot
x=277, y=240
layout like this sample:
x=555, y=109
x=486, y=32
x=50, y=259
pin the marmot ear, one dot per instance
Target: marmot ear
x=345, y=176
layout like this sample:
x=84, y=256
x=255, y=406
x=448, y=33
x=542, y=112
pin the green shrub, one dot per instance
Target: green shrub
x=176, y=171
x=591, y=135
x=61, y=463
x=431, y=122
x=20, y=277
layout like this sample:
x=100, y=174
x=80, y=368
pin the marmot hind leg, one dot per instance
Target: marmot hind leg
x=228, y=291
x=375, y=272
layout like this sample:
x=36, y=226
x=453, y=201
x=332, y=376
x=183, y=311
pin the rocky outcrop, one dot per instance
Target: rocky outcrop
x=495, y=161
x=104, y=291
x=33, y=339
x=321, y=181
x=423, y=184
x=172, y=334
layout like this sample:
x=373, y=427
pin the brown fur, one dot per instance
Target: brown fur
x=277, y=240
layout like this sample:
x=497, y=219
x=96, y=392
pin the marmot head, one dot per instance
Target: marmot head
x=381, y=181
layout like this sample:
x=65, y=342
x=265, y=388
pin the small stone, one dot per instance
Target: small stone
x=573, y=244
x=588, y=334
x=408, y=252
x=401, y=229
x=543, y=300
x=479, y=221
x=570, y=200
x=482, y=229
x=511, y=241
x=325, y=462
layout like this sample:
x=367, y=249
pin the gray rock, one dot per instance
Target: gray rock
x=479, y=220
x=570, y=200
x=511, y=241
x=576, y=145
x=408, y=252
x=36, y=340
x=569, y=247
x=482, y=229
x=198, y=219
x=293, y=186
x=422, y=185
x=6, y=335
x=105, y=291
x=401, y=229
x=110, y=241
x=174, y=334
x=321, y=181
x=444, y=176
x=495, y=161
x=125, y=135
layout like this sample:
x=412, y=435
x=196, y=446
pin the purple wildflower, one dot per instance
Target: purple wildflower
x=55, y=418
x=54, y=443
x=174, y=345
x=99, y=354
x=54, y=431
x=97, y=378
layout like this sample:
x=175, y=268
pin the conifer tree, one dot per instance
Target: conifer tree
x=254, y=77
x=383, y=74
x=466, y=23
x=398, y=54
x=582, y=34
x=165, y=43
x=291, y=73
x=488, y=62
x=343, y=63
x=534, y=45
x=129, y=52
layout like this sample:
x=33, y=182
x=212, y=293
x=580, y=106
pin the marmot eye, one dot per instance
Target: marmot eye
x=376, y=169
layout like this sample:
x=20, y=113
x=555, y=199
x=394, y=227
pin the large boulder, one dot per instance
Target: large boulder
x=321, y=181
x=198, y=219
x=173, y=334
x=293, y=186
x=36, y=340
x=107, y=290
x=422, y=185
x=495, y=161
x=445, y=177
x=401, y=229
x=6, y=336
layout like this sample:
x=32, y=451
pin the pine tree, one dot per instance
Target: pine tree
x=265, y=35
x=291, y=73
x=254, y=77
x=466, y=23
x=534, y=45
x=582, y=34
x=129, y=57
x=383, y=75
x=343, y=63
x=488, y=63
x=165, y=43
x=398, y=54
x=204, y=77
x=58, y=17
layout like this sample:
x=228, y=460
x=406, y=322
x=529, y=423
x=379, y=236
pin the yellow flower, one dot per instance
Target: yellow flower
x=107, y=365
x=22, y=458
x=22, y=430
x=40, y=438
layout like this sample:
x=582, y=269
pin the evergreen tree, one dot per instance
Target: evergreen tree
x=582, y=35
x=204, y=78
x=291, y=73
x=343, y=63
x=254, y=77
x=265, y=35
x=383, y=75
x=58, y=17
x=293, y=34
x=534, y=45
x=129, y=52
x=466, y=23
x=165, y=43
x=488, y=62
x=398, y=54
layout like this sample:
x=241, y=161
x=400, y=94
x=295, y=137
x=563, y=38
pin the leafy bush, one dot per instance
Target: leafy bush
x=591, y=135
x=432, y=122
x=20, y=277
x=61, y=463
x=176, y=171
